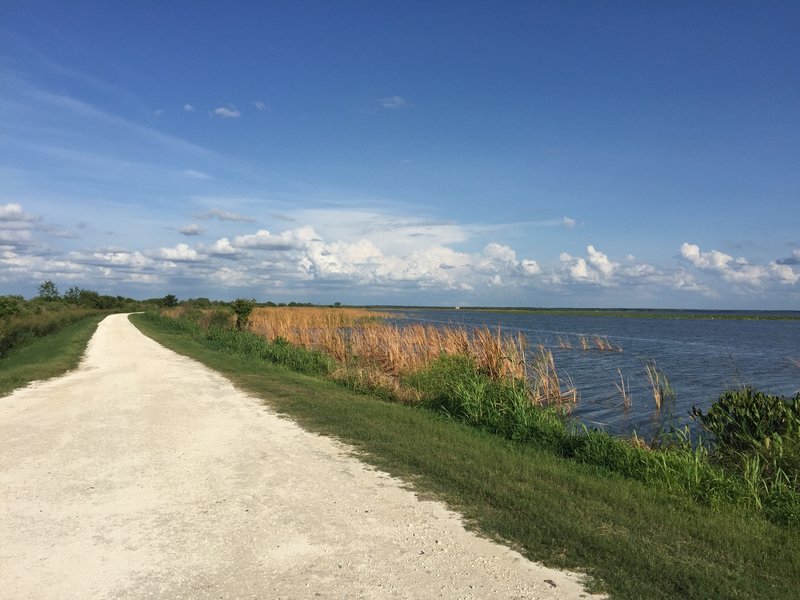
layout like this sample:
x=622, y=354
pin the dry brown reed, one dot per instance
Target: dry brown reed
x=795, y=362
x=602, y=344
x=623, y=389
x=583, y=342
x=546, y=384
x=659, y=384
x=564, y=343
x=360, y=337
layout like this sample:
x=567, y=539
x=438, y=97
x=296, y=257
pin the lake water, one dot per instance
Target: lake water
x=701, y=358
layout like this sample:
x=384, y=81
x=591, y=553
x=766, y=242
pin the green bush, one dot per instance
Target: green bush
x=758, y=436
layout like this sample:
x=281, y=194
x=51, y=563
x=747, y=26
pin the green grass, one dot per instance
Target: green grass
x=47, y=356
x=635, y=540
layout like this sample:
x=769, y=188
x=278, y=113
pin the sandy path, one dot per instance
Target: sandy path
x=144, y=474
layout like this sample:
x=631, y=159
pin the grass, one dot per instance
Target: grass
x=48, y=356
x=635, y=539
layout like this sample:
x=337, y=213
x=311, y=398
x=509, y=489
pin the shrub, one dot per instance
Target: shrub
x=242, y=309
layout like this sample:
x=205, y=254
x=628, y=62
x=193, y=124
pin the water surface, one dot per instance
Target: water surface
x=701, y=357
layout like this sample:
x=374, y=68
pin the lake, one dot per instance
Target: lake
x=701, y=358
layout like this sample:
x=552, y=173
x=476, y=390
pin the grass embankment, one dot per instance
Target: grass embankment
x=48, y=355
x=639, y=540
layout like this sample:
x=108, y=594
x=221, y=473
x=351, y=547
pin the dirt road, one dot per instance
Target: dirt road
x=144, y=474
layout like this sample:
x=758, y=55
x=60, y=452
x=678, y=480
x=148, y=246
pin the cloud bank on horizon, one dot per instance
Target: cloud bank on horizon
x=548, y=165
x=380, y=257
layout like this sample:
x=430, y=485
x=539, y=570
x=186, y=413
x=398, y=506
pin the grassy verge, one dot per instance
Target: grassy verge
x=48, y=356
x=636, y=540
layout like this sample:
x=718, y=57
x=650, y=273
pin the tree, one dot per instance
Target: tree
x=242, y=308
x=48, y=291
x=169, y=301
x=73, y=294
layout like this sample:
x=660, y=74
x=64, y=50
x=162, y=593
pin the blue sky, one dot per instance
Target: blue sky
x=473, y=153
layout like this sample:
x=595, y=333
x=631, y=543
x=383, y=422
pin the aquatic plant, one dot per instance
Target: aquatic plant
x=659, y=383
x=624, y=389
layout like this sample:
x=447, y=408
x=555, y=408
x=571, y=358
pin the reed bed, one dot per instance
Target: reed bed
x=586, y=343
x=361, y=338
x=546, y=387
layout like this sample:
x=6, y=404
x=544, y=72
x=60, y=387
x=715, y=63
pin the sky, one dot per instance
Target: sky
x=586, y=154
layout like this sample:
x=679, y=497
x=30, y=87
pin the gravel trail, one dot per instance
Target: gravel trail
x=143, y=474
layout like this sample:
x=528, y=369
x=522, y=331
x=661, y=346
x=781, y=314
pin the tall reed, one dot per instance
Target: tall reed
x=624, y=390
x=660, y=385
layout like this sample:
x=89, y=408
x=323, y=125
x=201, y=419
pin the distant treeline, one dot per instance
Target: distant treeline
x=23, y=320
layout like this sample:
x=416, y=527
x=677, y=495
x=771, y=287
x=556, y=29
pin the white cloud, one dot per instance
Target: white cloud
x=13, y=213
x=188, y=107
x=191, y=230
x=784, y=273
x=287, y=240
x=393, y=102
x=392, y=233
x=568, y=222
x=260, y=105
x=223, y=215
x=180, y=253
x=734, y=270
x=600, y=261
x=227, y=112
x=222, y=247
x=15, y=237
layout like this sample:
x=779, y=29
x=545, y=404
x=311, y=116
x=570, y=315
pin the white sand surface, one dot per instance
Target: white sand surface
x=143, y=474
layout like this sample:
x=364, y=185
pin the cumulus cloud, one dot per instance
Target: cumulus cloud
x=191, y=230
x=14, y=213
x=223, y=215
x=393, y=102
x=260, y=105
x=739, y=270
x=794, y=259
x=188, y=107
x=223, y=247
x=227, y=112
x=568, y=222
x=287, y=240
x=180, y=253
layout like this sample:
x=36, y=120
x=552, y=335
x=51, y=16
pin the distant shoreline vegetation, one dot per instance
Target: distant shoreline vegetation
x=629, y=313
